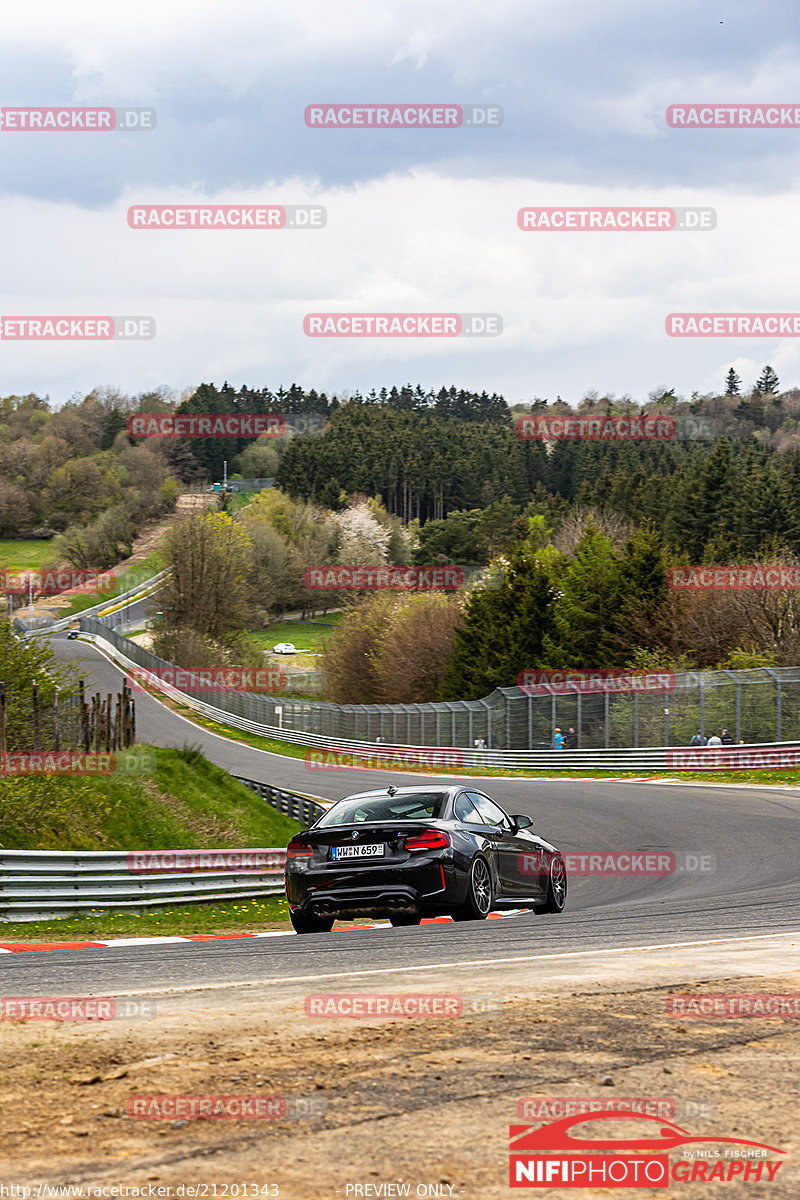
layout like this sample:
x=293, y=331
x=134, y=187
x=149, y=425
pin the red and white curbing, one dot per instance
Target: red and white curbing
x=26, y=947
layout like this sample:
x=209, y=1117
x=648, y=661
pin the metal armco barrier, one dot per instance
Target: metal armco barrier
x=40, y=884
x=758, y=705
x=111, y=605
x=387, y=756
x=291, y=804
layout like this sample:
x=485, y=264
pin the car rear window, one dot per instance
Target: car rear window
x=420, y=806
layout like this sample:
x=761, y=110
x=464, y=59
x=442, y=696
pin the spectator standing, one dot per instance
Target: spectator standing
x=558, y=740
x=714, y=740
x=571, y=740
x=727, y=740
x=699, y=739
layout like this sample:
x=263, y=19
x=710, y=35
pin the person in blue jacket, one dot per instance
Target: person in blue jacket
x=558, y=740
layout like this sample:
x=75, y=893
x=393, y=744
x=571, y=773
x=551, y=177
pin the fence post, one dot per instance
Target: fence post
x=3, y=725
x=37, y=733
x=636, y=720
x=56, y=731
x=778, y=704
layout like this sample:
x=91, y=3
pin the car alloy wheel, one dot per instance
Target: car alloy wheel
x=478, y=903
x=556, y=887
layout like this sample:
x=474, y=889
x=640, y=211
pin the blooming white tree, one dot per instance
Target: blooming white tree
x=363, y=541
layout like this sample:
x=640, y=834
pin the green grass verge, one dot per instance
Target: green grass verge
x=19, y=554
x=186, y=803
x=270, y=912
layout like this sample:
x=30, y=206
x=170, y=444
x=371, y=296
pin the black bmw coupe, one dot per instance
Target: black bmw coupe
x=410, y=852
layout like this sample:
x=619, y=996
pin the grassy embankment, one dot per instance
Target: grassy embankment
x=186, y=803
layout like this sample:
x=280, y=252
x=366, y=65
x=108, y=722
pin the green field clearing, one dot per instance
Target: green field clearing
x=25, y=554
x=306, y=635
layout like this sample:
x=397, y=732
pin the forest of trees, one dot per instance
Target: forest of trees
x=576, y=536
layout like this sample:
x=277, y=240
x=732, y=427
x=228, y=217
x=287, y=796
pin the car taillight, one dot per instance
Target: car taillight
x=299, y=851
x=429, y=839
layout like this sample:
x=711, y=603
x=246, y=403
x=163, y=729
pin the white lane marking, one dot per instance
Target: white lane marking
x=143, y=941
x=475, y=962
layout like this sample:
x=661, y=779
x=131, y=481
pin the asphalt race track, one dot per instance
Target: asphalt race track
x=740, y=879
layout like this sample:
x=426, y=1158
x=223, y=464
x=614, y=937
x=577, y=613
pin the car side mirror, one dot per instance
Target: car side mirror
x=521, y=821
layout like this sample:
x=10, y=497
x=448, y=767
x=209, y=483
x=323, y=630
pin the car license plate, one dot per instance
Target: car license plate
x=368, y=850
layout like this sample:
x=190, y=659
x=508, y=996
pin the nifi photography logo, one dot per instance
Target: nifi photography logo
x=574, y=1153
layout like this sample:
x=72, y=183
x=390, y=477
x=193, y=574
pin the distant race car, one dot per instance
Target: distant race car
x=410, y=852
x=284, y=648
x=71, y=636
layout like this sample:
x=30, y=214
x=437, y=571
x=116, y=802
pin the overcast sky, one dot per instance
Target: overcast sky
x=417, y=220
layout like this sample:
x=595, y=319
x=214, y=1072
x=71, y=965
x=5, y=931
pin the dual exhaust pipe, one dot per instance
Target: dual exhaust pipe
x=393, y=904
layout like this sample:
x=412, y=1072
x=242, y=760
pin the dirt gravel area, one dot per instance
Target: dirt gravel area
x=423, y=1103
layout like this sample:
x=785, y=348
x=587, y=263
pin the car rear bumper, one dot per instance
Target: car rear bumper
x=347, y=895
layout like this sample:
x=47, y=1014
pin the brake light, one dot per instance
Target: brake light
x=299, y=851
x=429, y=839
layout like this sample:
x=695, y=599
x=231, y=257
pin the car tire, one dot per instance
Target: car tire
x=556, y=887
x=306, y=924
x=480, y=893
x=398, y=919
